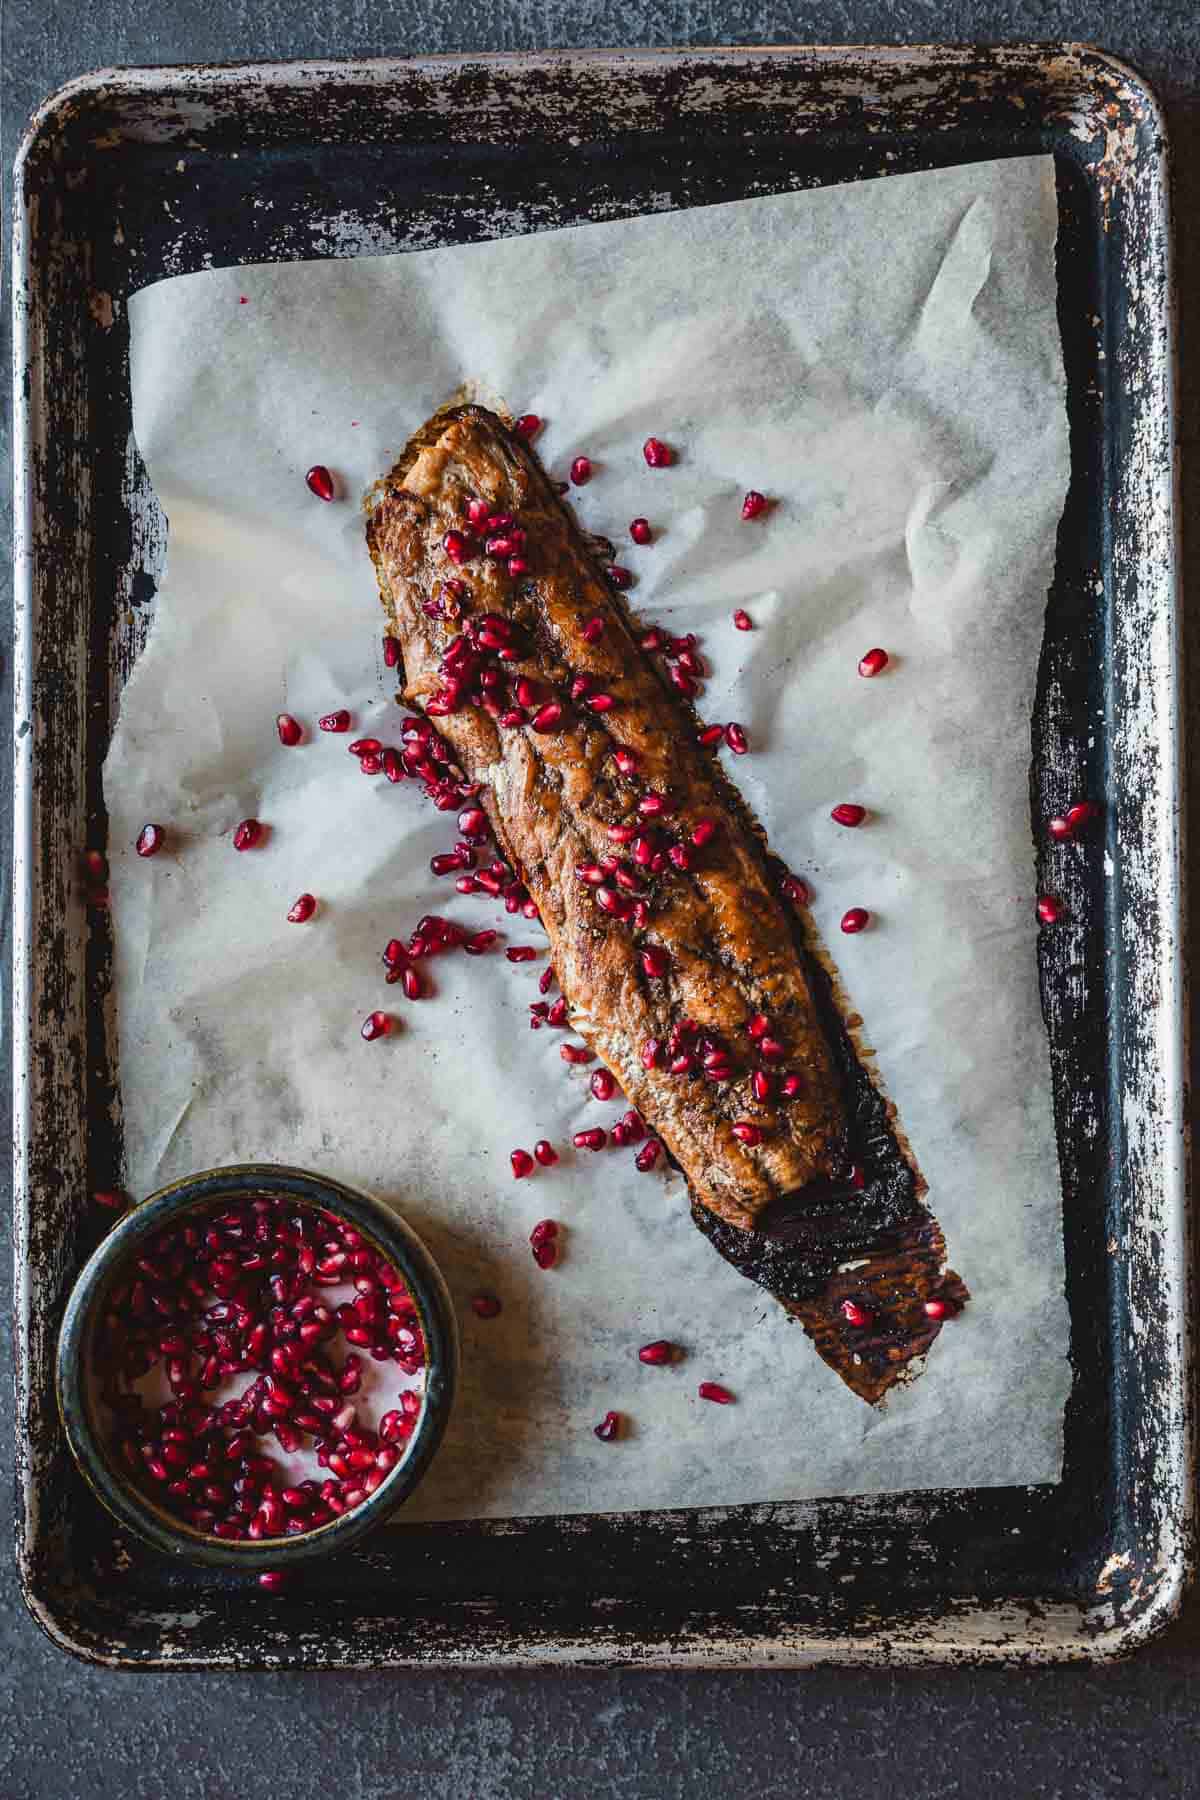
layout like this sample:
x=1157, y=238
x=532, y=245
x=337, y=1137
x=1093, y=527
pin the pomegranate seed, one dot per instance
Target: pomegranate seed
x=753, y=506
x=593, y=631
x=600, y=703
x=626, y=761
x=1049, y=910
x=655, y=806
x=274, y=1580
x=742, y=620
x=794, y=889
x=648, y=1155
x=581, y=470
x=545, y=1152
x=517, y=566
x=1060, y=829
x=290, y=730
x=603, y=1084
x=682, y=680
x=659, y=1352
x=591, y=874
x=485, y=1306
x=502, y=545
x=95, y=865
x=737, y=740
x=771, y=1050
x=512, y=718
x=619, y=576
x=857, y=919
x=595, y=1139
x=150, y=840
x=528, y=425
x=703, y=832
x=445, y=864
x=319, y=482
x=712, y=1390
x=655, y=961
x=335, y=721
x=367, y=746
x=609, y=1428
x=936, y=1309
x=112, y=1199
x=522, y=1164
x=658, y=454
x=854, y=1314
x=376, y=1025
x=847, y=813
x=371, y=765
x=393, y=768
x=547, y=717
x=639, y=531
x=546, y=979
x=247, y=834
x=1084, y=814
x=712, y=734
x=858, y=1177
x=632, y=1126
x=459, y=547
x=521, y=953
x=679, y=858
x=482, y=940
x=478, y=513
x=545, y=1253
x=872, y=663
x=746, y=1132
x=558, y=1012
x=576, y=1053
x=758, y=1025
x=761, y=1085
x=652, y=1054
x=302, y=909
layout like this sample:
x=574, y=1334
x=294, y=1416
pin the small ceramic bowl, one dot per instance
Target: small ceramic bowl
x=205, y=1195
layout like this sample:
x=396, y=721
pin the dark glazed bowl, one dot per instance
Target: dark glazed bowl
x=383, y=1230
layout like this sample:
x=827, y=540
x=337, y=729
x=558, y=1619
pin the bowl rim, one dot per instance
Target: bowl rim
x=388, y=1232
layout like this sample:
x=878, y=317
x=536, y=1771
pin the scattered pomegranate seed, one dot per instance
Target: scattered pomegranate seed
x=1084, y=814
x=655, y=961
x=600, y=703
x=576, y=1053
x=302, y=909
x=737, y=740
x=545, y=1152
x=320, y=482
x=521, y=953
x=746, y=1132
x=528, y=425
x=335, y=721
x=712, y=734
x=367, y=746
x=659, y=1352
x=854, y=1314
x=478, y=513
x=857, y=919
x=626, y=761
x=1049, y=910
x=290, y=730
x=393, y=767
x=654, y=639
x=112, y=1199
x=603, y=1084
x=872, y=663
x=858, y=1177
x=150, y=840
x=593, y=631
x=639, y=531
x=485, y=1306
x=792, y=1085
x=581, y=470
x=376, y=1025
x=712, y=1390
x=631, y=1128
x=652, y=1054
x=754, y=505
x=548, y=717
x=543, y=1240
x=847, y=813
x=1060, y=829
x=459, y=547
x=522, y=1164
x=593, y=1139
x=656, y=806
x=248, y=833
x=742, y=620
x=795, y=889
x=762, y=1085
x=757, y=1026
x=658, y=454
x=936, y=1309
x=479, y=942
x=371, y=763
x=648, y=1155
x=609, y=1428
x=391, y=652
x=771, y=1049
x=619, y=576
x=275, y=1580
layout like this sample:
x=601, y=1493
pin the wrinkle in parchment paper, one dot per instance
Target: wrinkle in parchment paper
x=883, y=360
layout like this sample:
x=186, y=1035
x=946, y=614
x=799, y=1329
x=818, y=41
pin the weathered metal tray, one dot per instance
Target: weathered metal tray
x=130, y=175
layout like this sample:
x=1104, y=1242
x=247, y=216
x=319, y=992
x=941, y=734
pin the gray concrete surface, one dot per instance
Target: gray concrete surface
x=67, y=1731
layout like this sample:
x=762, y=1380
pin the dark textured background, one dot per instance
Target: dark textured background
x=67, y=1730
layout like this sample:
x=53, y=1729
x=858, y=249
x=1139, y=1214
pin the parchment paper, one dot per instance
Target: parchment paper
x=883, y=359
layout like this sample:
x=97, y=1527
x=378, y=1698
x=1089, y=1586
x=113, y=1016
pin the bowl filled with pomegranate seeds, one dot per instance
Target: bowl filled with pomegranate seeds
x=256, y=1366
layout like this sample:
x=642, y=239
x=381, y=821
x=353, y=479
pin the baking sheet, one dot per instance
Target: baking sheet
x=884, y=359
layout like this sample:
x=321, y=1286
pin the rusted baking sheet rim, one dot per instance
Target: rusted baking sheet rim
x=129, y=175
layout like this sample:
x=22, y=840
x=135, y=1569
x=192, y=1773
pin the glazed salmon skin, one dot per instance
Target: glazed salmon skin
x=676, y=950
